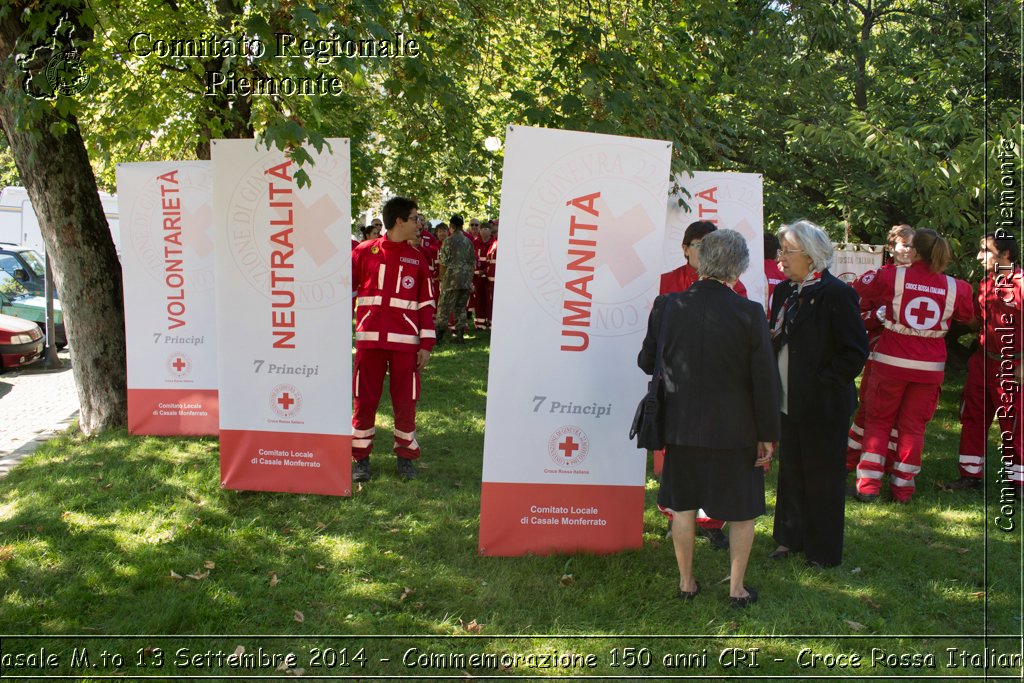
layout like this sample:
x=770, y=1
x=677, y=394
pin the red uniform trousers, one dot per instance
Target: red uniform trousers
x=984, y=396
x=909, y=406
x=703, y=521
x=482, y=306
x=367, y=385
x=855, y=439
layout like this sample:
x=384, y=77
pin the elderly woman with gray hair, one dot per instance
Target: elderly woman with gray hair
x=721, y=408
x=821, y=347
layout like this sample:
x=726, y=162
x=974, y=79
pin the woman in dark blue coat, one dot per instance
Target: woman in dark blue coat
x=821, y=347
x=721, y=408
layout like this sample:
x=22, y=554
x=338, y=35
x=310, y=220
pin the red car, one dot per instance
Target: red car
x=21, y=342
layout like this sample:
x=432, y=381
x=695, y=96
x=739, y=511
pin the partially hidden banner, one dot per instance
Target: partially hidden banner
x=853, y=260
x=284, y=313
x=582, y=223
x=167, y=262
x=729, y=200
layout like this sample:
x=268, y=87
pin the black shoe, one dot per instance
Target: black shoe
x=688, y=596
x=965, y=484
x=361, y=470
x=406, y=470
x=749, y=599
x=866, y=497
x=718, y=540
x=458, y=337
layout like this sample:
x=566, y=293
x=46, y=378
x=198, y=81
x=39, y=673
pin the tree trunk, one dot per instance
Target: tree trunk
x=56, y=170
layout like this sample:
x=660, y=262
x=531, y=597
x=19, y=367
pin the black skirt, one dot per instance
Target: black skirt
x=724, y=483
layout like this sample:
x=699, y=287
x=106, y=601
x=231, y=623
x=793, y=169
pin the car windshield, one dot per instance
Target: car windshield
x=10, y=288
x=34, y=261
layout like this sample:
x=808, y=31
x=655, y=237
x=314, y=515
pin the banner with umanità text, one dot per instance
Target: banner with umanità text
x=169, y=313
x=582, y=223
x=284, y=317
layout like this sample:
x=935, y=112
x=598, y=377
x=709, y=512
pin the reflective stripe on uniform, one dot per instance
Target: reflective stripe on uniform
x=361, y=443
x=910, y=331
x=399, y=338
x=903, y=483
x=368, y=301
x=868, y=474
x=407, y=304
x=427, y=334
x=408, y=436
x=363, y=433
x=367, y=336
x=872, y=457
x=380, y=276
x=907, y=363
x=906, y=467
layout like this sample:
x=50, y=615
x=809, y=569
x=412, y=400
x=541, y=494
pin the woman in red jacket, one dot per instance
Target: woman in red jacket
x=909, y=360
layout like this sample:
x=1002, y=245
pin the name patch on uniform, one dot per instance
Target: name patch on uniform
x=406, y=259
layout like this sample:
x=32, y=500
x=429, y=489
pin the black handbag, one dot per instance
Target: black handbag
x=648, y=426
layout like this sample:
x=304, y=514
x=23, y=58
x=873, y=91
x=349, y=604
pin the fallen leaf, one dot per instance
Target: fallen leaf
x=405, y=594
x=320, y=526
x=855, y=570
x=209, y=565
x=567, y=580
x=6, y=552
x=282, y=666
x=962, y=550
x=871, y=603
x=471, y=627
x=239, y=651
x=175, y=575
x=732, y=626
x=393, y=530
x=855, y=625
x=286, y=530
x=106, y=487
x=197, y=576
x=274, y=580
x=300, y=617
x=977, y=594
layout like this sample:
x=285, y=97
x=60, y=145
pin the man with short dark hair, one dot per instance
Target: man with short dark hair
x=993, y=381
x=456, y=262
x=394, y=334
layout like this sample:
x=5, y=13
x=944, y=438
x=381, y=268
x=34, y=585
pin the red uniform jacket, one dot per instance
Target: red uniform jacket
x=999, y=305
x=394, y=297
x=918, y=307
x=481, y=248
x=872, y=317
x=683, y=277
x=774, y=275
x=492, y=260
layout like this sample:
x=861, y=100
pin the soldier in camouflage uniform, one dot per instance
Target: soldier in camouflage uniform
x=456, y=262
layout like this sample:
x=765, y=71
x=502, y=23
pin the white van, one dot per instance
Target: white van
x=19, y=225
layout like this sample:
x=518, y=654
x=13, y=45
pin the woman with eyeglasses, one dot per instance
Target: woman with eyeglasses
x=820, y=346
x=908, y=362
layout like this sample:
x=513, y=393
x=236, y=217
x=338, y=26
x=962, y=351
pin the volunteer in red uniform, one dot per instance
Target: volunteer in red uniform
x=898, y=242
x=772, y=273
x=481, y=285
x=394, y=334
x=491, y=267
x=680, y=280
x=909, y=361
x=994, y=371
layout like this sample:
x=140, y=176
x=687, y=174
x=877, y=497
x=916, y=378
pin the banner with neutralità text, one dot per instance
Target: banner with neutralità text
x=167, y=263
x=582, y=220
x=284, y=318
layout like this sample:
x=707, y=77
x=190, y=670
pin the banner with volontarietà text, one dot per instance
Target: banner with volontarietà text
x=167, y=264
x=284, y=316
x=582, y=223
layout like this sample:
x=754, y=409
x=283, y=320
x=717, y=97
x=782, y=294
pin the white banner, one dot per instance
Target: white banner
x=729, y=200
x=582, y=223
x=168, y=265
x=853, y=260
x=284, y=318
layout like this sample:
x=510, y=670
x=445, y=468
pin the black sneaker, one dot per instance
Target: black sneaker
x=718, y=540
x=406, y=470
x=361, y=470
x=965, y=484
x=866, y=497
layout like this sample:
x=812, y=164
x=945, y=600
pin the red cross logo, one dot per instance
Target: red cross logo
x=922, y=313
x=568, y=446
x=286, y=401
x=179, y=364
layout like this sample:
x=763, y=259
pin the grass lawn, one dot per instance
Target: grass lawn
x=127, y=546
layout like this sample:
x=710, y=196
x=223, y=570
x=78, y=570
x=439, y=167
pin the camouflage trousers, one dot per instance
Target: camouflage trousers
x=452, y=301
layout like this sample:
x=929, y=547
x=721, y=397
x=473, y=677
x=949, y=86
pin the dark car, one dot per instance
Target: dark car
x=21, y=342
x=26, y=266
